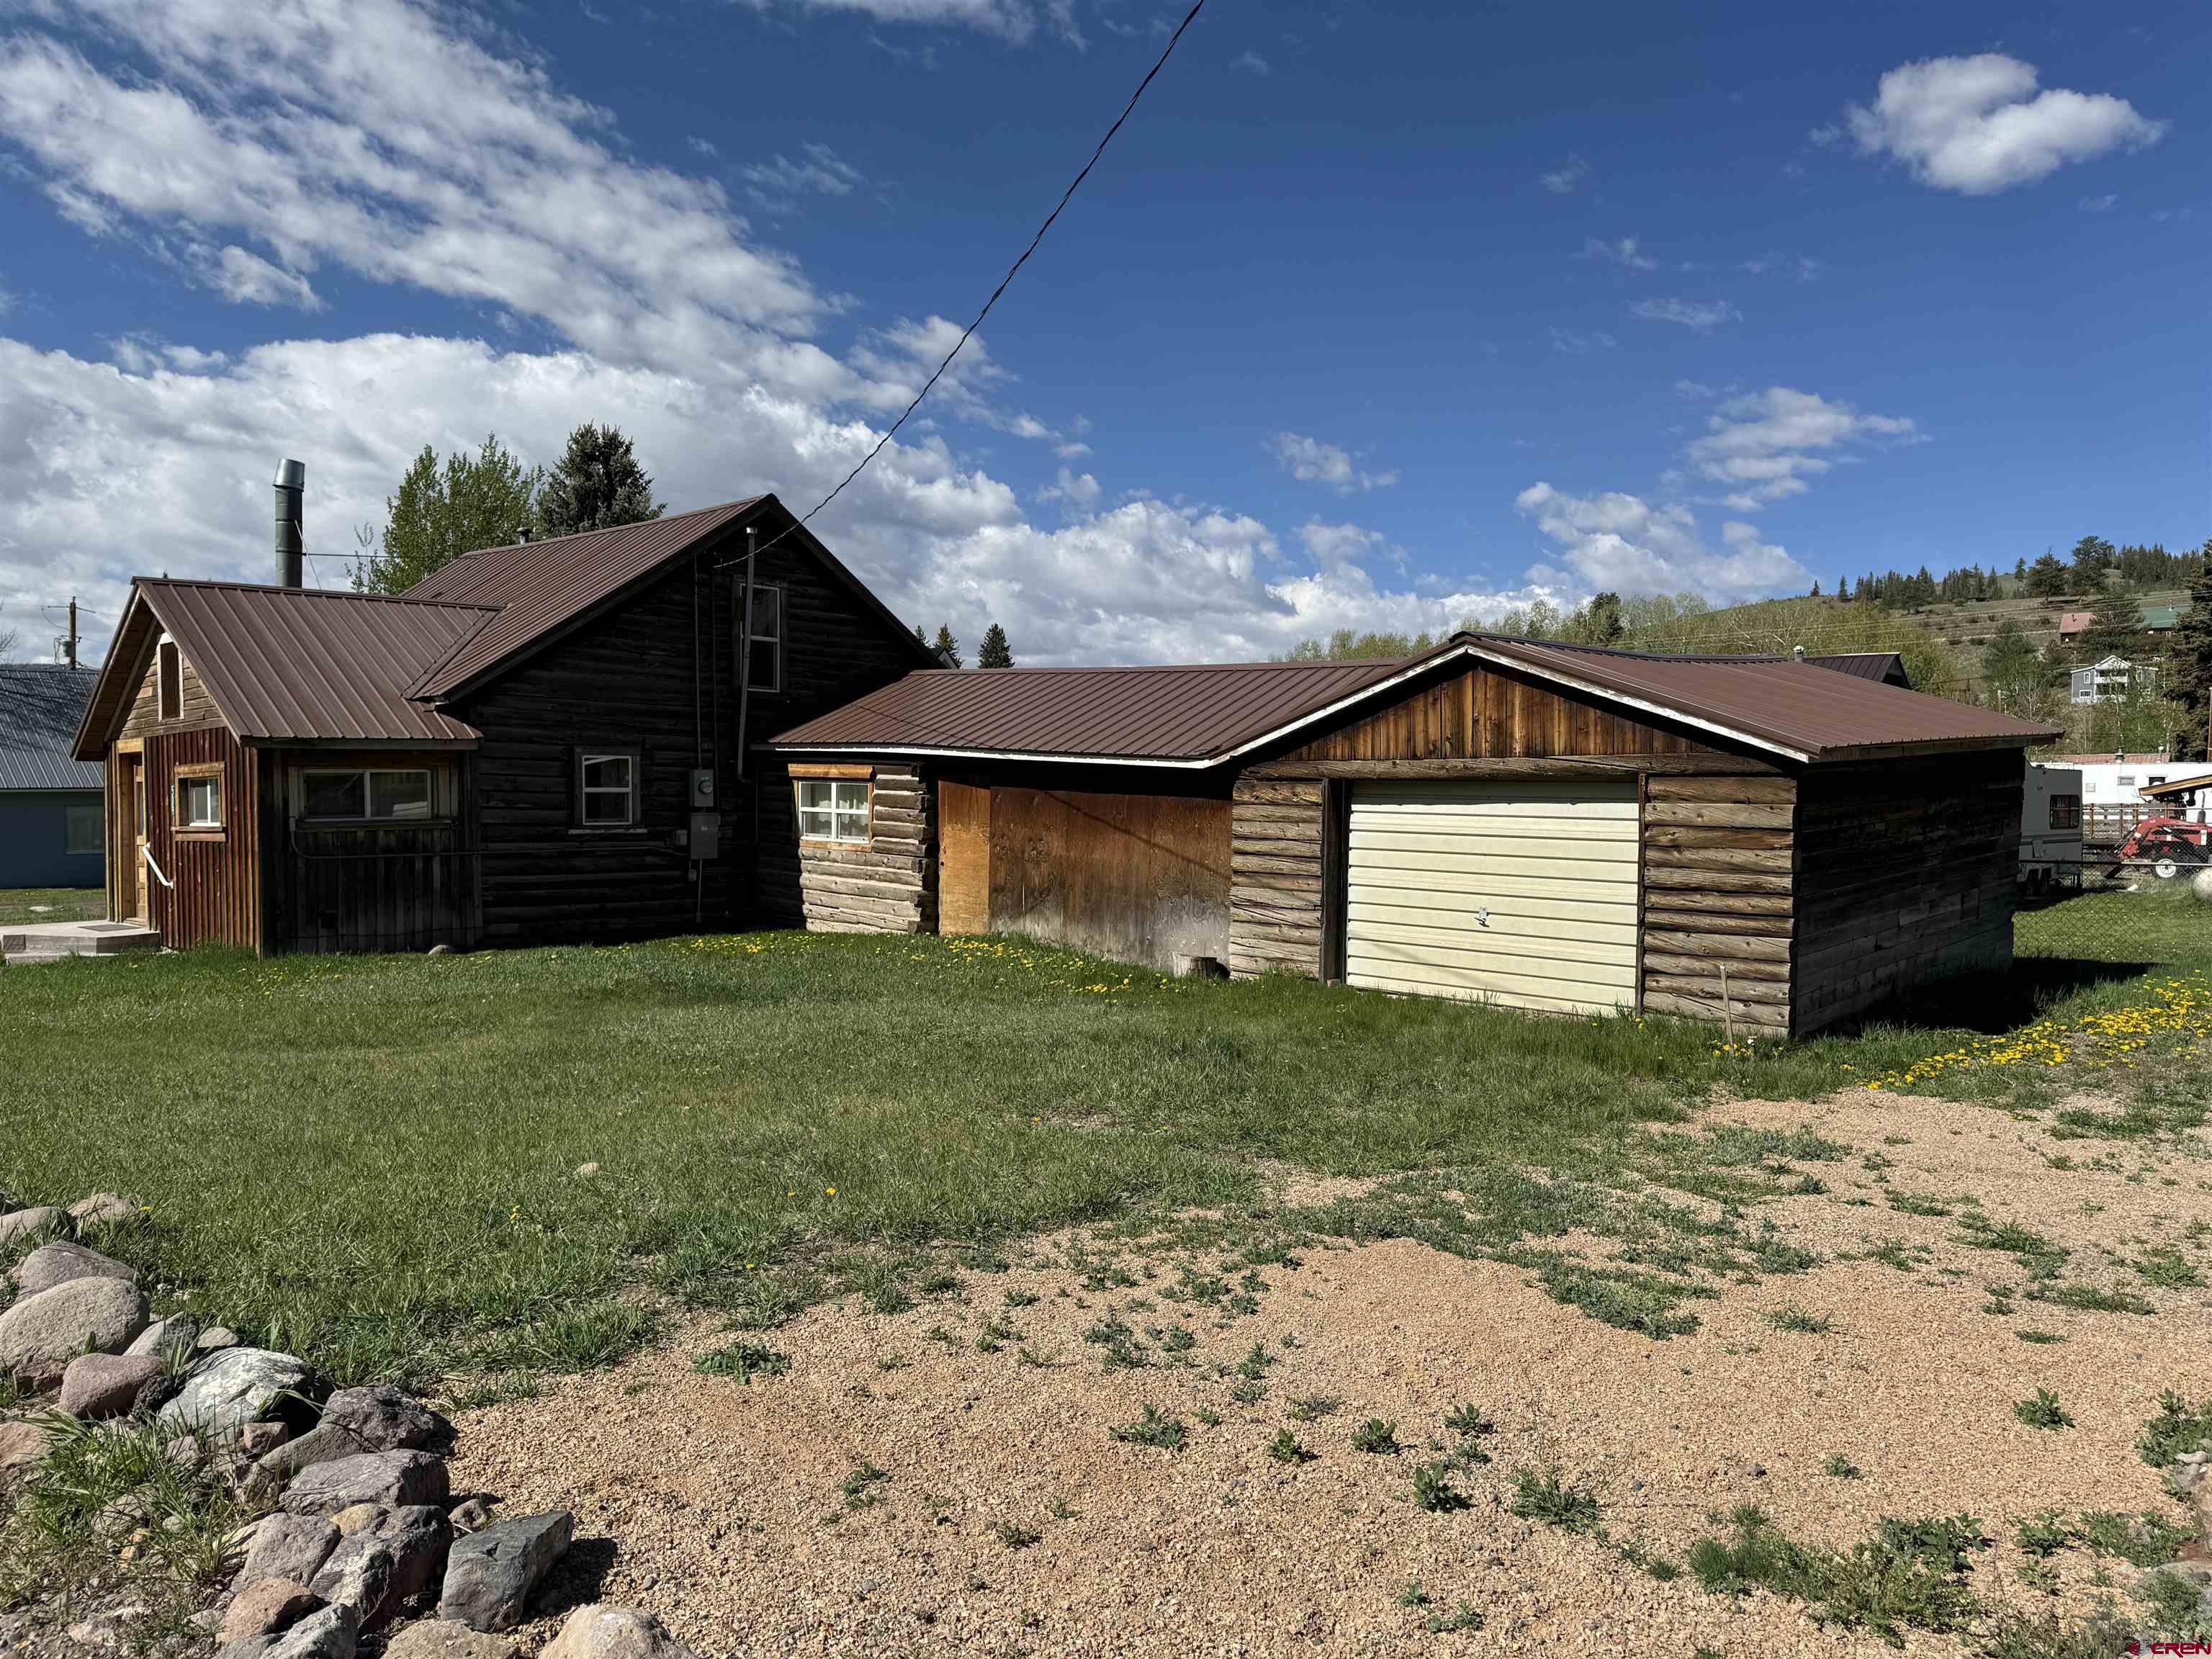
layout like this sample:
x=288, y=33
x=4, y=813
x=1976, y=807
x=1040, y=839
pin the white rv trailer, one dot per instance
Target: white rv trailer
x=2051, y=827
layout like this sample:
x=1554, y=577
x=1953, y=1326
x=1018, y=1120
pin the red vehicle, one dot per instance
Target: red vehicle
x=2171, y=846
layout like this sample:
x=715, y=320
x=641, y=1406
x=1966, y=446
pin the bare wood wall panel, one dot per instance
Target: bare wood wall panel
x=963, y=871
x=1484, y=714
x=195, y=708
x=886, y=884
x=1142, y=878
x=1278, y=878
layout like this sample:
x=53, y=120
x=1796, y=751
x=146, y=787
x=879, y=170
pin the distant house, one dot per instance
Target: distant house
x=2073, y=624
x=2162, y=618
x=50, y=804
x=2109, y=680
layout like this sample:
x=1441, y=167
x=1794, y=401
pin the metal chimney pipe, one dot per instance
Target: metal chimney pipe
x=291, y=524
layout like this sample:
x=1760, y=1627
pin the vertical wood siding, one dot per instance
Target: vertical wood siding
x=216, y=895
x=1482, y=713
x=963, y=864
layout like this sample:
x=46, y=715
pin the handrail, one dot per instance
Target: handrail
x=147, y=853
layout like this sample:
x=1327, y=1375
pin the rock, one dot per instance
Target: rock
x=354, y=1420
x=40, y=1221
x=471, y=1515
x=22, y=1446
x=58, y=1263
x=215, y=1338
x=176, y=1333
x=381, y=1568
x=605, y=1632
x=491, y=1574
x=101, y=1209
x=399, y=1478
x=41, y=1333
x=585, y=1171
x=260, y=1439
x=329, y=1634
x=101, y=1385
x=184, y=1452
x=267, y=1607
x=446, y=1639
x=229, y=1390
x=292, y=1546
x=351, y=1521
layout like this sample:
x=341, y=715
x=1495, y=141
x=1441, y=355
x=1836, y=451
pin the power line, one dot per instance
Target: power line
x=1067, y=196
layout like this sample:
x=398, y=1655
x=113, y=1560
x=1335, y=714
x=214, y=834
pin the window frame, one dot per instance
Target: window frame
x=198, y=829
x=585, y=754
x=2065, y=811
x=749, y=635
x=76, y=812
x=168, y=680
x=865, y=812
x=366, y=775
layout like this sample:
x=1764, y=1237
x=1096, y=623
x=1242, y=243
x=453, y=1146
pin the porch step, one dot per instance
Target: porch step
x=51, y=941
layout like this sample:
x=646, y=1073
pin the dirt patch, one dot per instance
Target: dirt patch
x=1009, y=1519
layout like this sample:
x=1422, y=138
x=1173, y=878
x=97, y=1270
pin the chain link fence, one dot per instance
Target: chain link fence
x=2141, y=911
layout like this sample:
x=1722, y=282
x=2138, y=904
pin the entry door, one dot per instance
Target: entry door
x=131, y=881
x=1522, y=894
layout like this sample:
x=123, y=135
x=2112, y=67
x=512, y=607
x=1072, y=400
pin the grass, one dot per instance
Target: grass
x=1911, y=1575
x=1154, y=1428
x=368, y=1161
x=1791, y=1317
x=2178, y=1428
x=20, y=906
x=2042, y=1411
x=1544, y=1498
x=742, y=1360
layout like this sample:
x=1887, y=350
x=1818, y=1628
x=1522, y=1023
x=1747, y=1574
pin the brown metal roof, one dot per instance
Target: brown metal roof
x=1197, y=716
x=289, y=665
x=540, y=586
x=1154, y=716
x=1887, y=666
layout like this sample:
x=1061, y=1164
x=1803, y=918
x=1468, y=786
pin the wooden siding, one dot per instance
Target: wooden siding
x=1484, y=714
x=214, y=892
x=195, y=709
x=1907, y=875
x=360, y=887
x=1277, y=877
x=963, y=859
x=1142, y=878
x=1720, y=857
x=886, y=884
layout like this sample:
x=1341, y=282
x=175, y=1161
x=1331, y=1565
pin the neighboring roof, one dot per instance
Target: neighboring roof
x=2164, y=616
x=1203, y=716
x=543, y=588
x=2109, y=662
x=2178, y=786
x=1887, y=666
x=41, y=705
x=2072, y=621
x=2109, y=760
x=290, y=665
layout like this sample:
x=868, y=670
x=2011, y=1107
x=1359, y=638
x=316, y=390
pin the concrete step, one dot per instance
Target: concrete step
x=44, y=940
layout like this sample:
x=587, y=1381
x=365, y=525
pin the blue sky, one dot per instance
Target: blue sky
x=1374, y=316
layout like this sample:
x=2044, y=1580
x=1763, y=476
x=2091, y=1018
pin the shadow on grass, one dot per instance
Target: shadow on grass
x=1992, y=1004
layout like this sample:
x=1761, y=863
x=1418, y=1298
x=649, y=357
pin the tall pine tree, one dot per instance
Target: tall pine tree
x=2190, y=664
x=596, y=485
x=995, y=652
x=947, y=647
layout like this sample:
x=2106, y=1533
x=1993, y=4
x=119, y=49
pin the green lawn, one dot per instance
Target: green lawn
x=369, y=1160
x=19, y=905
x=2160, y=922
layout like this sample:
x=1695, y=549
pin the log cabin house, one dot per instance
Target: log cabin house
x=541, y=743
x=1773, y=844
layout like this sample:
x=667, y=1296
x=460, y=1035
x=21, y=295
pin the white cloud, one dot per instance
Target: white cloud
x=778, y=183
x=1763, y=444
x=1622, y=543
x=1700, y=316
x=251, y=279
x=1577, y=344
x=1625, y=251
x=1565, y=179
x=1250, y=63
x=1010, y=20
x=1311, y=461
x=2098, y=203
x=1071, y=451
x=1079, y=490
x=1978, y=125
x=1804, y=267
x=1694, y=391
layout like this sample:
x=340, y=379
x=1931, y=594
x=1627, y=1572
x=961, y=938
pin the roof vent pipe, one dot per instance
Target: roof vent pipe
x=522, y=537
x=1797, y=652
x=291, y=514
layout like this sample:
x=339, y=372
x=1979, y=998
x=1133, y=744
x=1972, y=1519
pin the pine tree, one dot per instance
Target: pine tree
x=919, y=635
x=2190, y=664
x=597, y=485
x=947, y=647
x=441, y=513
x=996, y=652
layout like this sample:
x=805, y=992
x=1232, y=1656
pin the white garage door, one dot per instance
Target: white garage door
x=1522, y=894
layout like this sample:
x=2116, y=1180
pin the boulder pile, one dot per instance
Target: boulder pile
x=362, y=1534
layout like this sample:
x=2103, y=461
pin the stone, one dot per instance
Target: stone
x=184, y=1452
x=230, y=1389
x=59, y=1262
x=216, y=1337
x=603, y=1632
x=351, y=1521
x=292, y=1546
x=40, y=1221
x=176, y=1333
x=102, y=1385
x=22, y=1446
x=101, y=1210
x=354, y=1420
x=471, y=1515
x=447, y=1639
x=585, y=1171
x=331, y=1633
x=491, y=1574
x=267, y=1607
x=382, y=1569
x=399, y=1478
x=41, y=1333
x=260, y=1439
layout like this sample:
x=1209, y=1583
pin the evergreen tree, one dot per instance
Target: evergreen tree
x=2189, y=664
x=2048, y=577
x=919, y=635
x=597, y=485
x=996, y=652
x=2093, y=557
x=441, y=511
x=2013, y=668
x=947, y=647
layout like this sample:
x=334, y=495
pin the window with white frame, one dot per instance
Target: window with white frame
x=199, y=800
x=833, y=809
x=606, y=788
x=763, y=640
x=168, y=681
x=374, y=795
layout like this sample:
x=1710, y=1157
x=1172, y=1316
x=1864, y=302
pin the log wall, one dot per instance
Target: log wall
x=1908, y=874
x=887, y=885
x=1279, y=871
x=1720, y=862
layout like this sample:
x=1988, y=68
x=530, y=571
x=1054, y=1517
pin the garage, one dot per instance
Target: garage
x=1520, y=893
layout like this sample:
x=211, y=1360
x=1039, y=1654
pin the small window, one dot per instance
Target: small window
x=200, y=801
x=381, y=796
x=2066, y=811
x=168, y=681
x=833, y=811
x=606, y=789
x=2126, y=781
x=764, y=645
x=88, y=827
